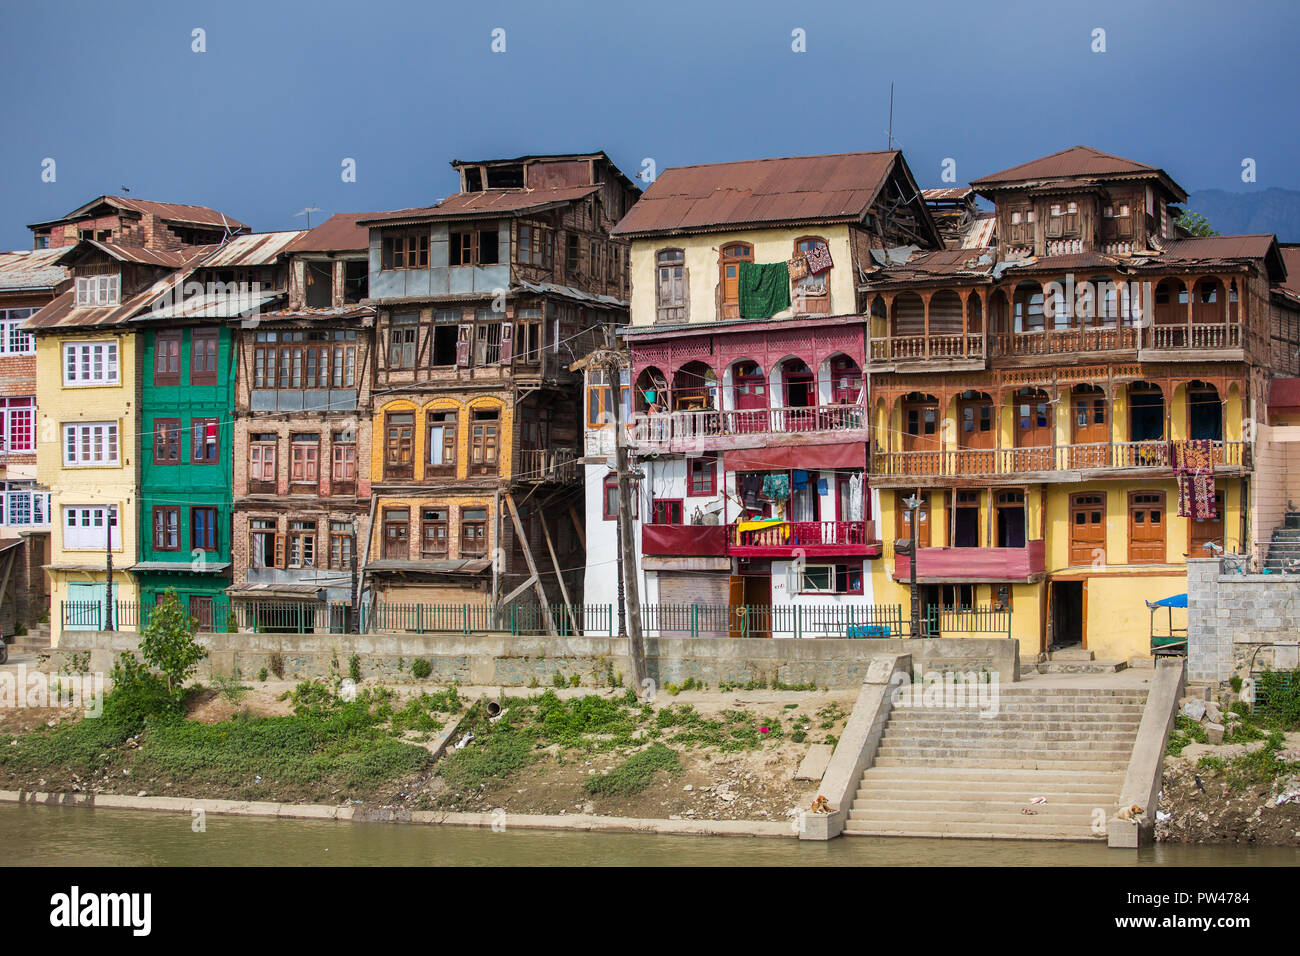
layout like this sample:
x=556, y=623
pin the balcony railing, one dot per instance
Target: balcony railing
x=546, y=464
x=911, y=347
x=1171, y=337
x=1156, y=455
x=813, y=538
x=713, y=428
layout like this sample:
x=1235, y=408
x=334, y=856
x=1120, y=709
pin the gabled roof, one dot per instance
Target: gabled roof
x=62, y=312
x=1291, y=259
x=1075, y=162
x=797, y=189
x=484, y=203
x=141, y=255
x=171, y=212
x=1257, y=246
x=338, y=233
x=251, y=249
x=31, y=270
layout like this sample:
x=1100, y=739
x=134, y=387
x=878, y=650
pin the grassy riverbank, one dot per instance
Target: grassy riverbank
x=703, y=755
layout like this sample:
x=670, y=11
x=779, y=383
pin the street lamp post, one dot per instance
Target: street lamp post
x=913, y=502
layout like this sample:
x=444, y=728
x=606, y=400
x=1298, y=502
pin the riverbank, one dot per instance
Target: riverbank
x=697, y=762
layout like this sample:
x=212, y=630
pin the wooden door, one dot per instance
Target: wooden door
x=1146, y=527
x=1034, y=433
x=922, y=518
x=1090, y=419
x=921, y=438
x=1087, y=529
x=976, y=436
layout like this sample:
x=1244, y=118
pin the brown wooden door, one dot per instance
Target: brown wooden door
x=921, y=437
x=976, y=436
x=1199, y=532
x=1146, y=527
x=1090, y=426
x=1033, y=431
x=1087, y=529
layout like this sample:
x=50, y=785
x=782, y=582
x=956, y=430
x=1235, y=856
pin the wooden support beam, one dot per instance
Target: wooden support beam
x=532, y=567
x=577, y=527
x=519, y=590
x=559, y=576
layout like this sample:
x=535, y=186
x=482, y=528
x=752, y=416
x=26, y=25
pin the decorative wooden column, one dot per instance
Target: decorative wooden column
x=965, y=324
x=925, y=302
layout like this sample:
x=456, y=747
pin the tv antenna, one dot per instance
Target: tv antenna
x=307, y=212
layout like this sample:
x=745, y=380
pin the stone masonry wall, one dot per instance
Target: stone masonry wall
x=1234, y=618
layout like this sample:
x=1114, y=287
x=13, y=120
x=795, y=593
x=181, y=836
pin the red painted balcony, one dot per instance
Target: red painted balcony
x=684, y=540
x=814, y=539
x=961, y=565
x=713, y=430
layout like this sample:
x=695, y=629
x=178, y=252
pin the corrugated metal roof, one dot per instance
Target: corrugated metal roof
x=1284, y=394
x=31, y=269
x=167, y=258
x=834, y=188
x=338, y=233
x=444, y=566
x=1291, y=258
x=334, y=312
x=209, y=306
x=980, y=233
x=485, y=202
x=1075, y=161
x=570, y=292
x=948, y=194
x=62, y=313
x=253, y=249
x=1254, y=246
x=172, y=212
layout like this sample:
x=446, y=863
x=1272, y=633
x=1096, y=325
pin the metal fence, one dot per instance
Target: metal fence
x=668, y=620
x=938, y=622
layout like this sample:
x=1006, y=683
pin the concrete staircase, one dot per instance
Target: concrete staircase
x=944, y=772
x=1284, y=548
x=37, y=639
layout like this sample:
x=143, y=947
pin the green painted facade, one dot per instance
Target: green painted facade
x=187, y=485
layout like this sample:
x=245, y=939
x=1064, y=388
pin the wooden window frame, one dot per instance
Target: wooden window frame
x=405, y=249
x=205, y=346
x=166, y=348
x=262, y=481
x=427, y=523
x=343, y=547
x=402, y=464
x=610, y=485
x=1080, y=503
x=343, y=467
x=818, y=303
x=665, y=310
x=448, y=443
x=467, y=523
x=667, y=508
x=302, y=540
x=170, y=522
x=485, y=442
x=704, y=466
x=535, y=245
x=166, y=438
x=728, y=255
x=1195, y=542
x=837, y=570
x=199, y=444
x=395, y=528
x=310, y=462
x=211, y=527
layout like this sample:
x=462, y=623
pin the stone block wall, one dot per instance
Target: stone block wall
x=1234, y=619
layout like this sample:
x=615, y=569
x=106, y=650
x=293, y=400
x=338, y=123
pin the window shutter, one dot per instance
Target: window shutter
x=462, y=345
x=503, y=357
x=279, y=550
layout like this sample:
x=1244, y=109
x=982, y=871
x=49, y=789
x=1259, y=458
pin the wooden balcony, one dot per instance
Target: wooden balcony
x=1171, y=342
x=713, y=430
x=543, y=465
x=1065, y=461
x=974, y=565
x=814, y=539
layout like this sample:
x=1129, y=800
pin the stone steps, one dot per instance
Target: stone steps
x=942, y=772
x=1079, y=667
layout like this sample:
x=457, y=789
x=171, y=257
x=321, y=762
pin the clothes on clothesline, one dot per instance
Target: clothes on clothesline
x=818, y=258
x=764, y=289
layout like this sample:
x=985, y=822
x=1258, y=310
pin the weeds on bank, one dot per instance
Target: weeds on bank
x=635, y=773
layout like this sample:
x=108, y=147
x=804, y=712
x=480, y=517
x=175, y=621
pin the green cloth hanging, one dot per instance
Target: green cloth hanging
x=764, y=289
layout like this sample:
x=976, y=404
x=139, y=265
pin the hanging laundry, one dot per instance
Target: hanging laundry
x=855, y=497
x=821, y=486
x=751, y=485
x=776, y=486
x=800, y=478
x=764, y=289
x=1194, y=469
x=818, y=258
x=798, y=267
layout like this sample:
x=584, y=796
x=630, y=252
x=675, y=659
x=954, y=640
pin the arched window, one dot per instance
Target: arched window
x=732, y=256
x=671, y=303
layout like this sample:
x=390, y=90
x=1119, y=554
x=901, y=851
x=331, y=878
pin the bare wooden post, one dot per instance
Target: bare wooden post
x=627, y=547
x=532, y=568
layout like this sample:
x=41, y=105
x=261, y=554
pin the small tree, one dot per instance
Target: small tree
x=168, y=643
x=1195, y=224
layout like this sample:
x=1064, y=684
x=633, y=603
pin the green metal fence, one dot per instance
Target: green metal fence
x=937, y=622
x=668, y=620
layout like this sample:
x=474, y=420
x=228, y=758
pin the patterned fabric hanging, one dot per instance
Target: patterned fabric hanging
x=1194, y=468
x=798, y=267
x=818, y=258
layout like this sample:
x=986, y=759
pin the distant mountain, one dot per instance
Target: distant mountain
x=1267, y=210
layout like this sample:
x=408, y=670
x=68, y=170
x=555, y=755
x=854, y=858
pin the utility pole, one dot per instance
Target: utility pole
x=108, y=559
x=612, y=361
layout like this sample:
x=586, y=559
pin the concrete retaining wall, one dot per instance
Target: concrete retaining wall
x=1229, y=617
x=513, y=661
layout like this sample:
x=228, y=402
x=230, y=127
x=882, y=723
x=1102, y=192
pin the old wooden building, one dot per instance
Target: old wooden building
x=484, y=300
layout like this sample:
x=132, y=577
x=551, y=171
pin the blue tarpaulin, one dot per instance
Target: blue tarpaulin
x=1178, y=600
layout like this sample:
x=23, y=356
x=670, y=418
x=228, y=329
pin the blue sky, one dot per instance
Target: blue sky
x=258, y=125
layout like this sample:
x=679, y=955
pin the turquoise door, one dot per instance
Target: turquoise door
x=85, y=607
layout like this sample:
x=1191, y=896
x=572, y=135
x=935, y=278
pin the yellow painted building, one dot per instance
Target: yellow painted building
x=87, y=458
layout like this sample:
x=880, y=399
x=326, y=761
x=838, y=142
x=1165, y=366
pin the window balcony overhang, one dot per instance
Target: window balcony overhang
x=719, y=430
x=812, y=539
x=975, y=565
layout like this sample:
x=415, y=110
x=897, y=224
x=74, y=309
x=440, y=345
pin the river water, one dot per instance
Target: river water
x=78, y=836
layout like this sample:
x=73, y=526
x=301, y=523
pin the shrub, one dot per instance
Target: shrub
x=421, y=668
x=276, y=663
x=354, y=668
x=168, y=644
